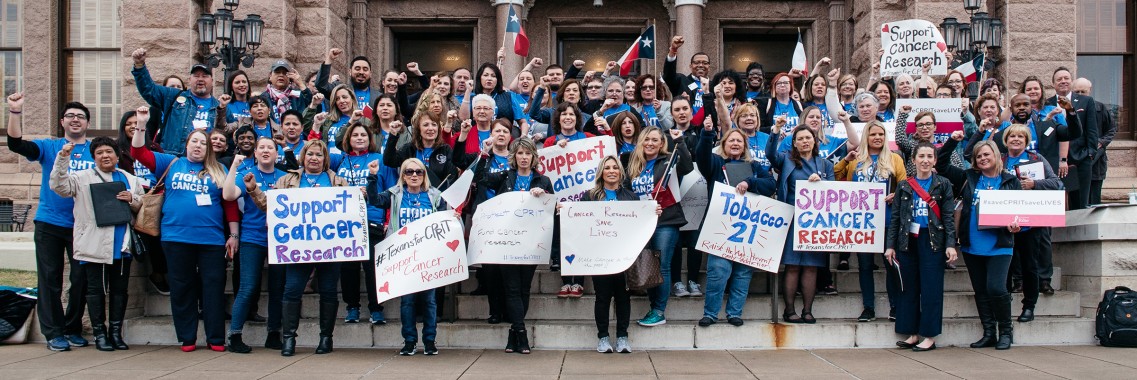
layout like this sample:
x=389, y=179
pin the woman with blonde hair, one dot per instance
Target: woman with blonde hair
x=343, y=112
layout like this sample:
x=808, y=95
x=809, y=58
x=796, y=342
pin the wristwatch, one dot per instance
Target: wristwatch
x=1063, y=159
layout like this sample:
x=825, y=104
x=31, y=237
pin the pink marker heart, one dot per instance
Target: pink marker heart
x=403, y=231
x=942, y=46
x=884, y=29
x=453, y=245
x=385, y=288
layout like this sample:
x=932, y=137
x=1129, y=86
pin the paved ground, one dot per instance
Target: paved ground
x=33, y=361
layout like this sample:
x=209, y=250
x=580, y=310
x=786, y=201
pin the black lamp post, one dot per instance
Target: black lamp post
x=236, y=40
x=968, y=40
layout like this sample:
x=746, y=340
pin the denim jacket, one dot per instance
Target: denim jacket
x=179, y=108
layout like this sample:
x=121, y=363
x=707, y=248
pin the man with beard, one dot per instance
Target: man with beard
x=694, y=84
x=1046, y=131
x=360, y=80
x=185, y=110
x=1083, y=148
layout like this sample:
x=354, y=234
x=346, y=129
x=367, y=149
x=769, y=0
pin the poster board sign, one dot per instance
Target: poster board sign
x=749, y=229
x=839, y=216
x=947, y=113
x=316, y=224
x=599, y=238
x=456, y=194
x=1030, y=208
x=425, y=254
x=908, y=44
x=889, y=130
x=512, y=228
x=572, y=169
x=695, y=198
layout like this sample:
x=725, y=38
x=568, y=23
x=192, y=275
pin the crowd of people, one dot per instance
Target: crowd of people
x=215, y=155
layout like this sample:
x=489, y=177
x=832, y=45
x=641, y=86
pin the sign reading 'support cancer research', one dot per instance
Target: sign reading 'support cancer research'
x=599, y=238
x=513, y=228
x=1029, y=208
x=316, y=224
x=839, y=216
x=947, y=113
x=749, y=229
x=425, y=254
x=695, y=198
x=572, y=169
x=908, y=44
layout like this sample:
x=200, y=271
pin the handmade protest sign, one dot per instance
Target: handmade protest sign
x=908, y=44
x=839, y=216
x=1030, y=208
x=748, y=229
x=425, y=254
x=599, y=238
x=316, y=224
x=947, y=113
x=695, y=198
x=456, y=194
x=513, y=228
x=572, y=169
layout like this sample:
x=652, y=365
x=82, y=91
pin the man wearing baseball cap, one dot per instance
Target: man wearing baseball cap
x=285, y=90
x=184, y=110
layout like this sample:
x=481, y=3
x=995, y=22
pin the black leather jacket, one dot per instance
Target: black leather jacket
x=941, y=230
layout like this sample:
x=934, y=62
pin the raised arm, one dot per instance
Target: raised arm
x=16, y=142
x=61, y=181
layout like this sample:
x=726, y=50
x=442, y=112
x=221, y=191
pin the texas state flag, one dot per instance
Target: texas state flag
x=971, y=70
x=642, y=48
x=520, y=40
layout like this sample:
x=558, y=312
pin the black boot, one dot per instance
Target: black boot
x=1002, y=308
x=289, y=319
x=1027, y=314
x=272, y=340
x=987, y=318
x=522, y=342
x=101, y=341
x=327, y=325
x=97, y=311
x=117, y=314
x=237, y=344
x=511, y=344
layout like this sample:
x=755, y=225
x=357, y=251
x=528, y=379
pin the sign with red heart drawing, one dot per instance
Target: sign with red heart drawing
x=425, y=254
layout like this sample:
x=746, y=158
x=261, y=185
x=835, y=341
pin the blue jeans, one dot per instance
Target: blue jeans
x=920, y=307
x=719, y=272
x=664, y=240
x=868, y=285
x=296, y=277
x=407, y=316
x=252, y=257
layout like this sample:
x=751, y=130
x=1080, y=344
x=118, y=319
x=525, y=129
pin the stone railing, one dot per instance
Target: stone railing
x=1097, y=250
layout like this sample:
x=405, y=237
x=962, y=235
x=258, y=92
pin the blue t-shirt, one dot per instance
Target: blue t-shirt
x=482, y=137
x=353, y=169
x=789, y=112
x=886, y=115
x=54, y=209
x=333, y=131
x=183, y=219
x=573, y=137
x=849, y=108
x=254, y=226
x=119, y=229
x=618, y=109
x=983, y=240
x=362, y=98
x=247, y=163
x=1033, y=134
x=758, y=149
x=919, y=207
x=866, y=172
x=265, y=131
x=424, y=155
x=204, y=105
x=236, y=110
x=497, y=164
x=649, y=116
x=296, y=148
x=143, y=173
x=413, y=206
x=643, y=182
x=1013, y=161
x=519, y=103
x=832, y=147
x=626, y=147
x=522, y=183
x=609, y=195
x=317, y=180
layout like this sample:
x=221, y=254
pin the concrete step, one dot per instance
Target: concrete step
x=581, y=335
x=16, y=237
x=844, y=306
x=18, y=254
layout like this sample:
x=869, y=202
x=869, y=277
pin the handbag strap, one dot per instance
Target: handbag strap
x=932, y=205
x=163, y=177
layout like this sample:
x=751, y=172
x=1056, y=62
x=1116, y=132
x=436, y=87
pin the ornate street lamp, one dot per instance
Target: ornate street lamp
x=236, y=40
x=968, y=40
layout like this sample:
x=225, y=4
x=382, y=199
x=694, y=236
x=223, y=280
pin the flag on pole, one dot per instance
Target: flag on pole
x=668, y=192
x=799, y=61
x=971, y=70
x=644, y=47
x=520, y=40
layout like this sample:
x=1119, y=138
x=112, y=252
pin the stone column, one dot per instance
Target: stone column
x=838, y=30
x=689, y=24
x=358, y=43
x=512, y=63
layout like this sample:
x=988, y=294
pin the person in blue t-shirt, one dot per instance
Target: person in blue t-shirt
x=920, y=235
x=360, y=150
x=105, y=251
x=239, y=96
x=411, y=198
x=986, y=251
x=193, y=234
x=258, y=118
x=54, y=221
x=886, y=99
x=329, y=126
x=829, y=146
x=290, y=142
x=254, y=245
x=746, y=120
x=614, y=97
x=627, y=129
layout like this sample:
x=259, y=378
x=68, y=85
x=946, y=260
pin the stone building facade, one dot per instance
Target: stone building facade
x=1039, y=36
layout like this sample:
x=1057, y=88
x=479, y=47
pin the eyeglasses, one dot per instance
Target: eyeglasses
x=925, y=125
x=593, y=87
x=414, y=172
x=647, y=88
x=78, y=116
x=782, y=83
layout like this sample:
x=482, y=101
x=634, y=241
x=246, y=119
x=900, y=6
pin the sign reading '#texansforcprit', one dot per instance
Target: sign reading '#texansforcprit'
x=425, y=254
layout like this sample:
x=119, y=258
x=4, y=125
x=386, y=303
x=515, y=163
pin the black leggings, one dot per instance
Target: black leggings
x=988, y=274
x=105, y=280
x=607, y=288
x=517, y=280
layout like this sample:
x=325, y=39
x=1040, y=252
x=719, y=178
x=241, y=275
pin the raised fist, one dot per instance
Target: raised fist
x=139, y=56
x=676, y=43
x=250, y=181
x=578, y=64
x=16, y=102
x=334, y=53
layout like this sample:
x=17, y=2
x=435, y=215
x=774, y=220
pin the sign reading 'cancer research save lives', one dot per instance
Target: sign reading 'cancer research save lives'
x=513, y=228
x=833, y=216
x=908, y=44
x=572, y=169
x=601, y=238
x=425, y=254
x=749, y=229
x=1029, y=208
x=316, y=224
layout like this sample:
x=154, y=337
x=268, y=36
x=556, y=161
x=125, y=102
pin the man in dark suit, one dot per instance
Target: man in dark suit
x=694, y=84
x=1082, y=150
x=1049, y=133
x=1108, y=129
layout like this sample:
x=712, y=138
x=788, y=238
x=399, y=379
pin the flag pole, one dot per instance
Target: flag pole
x=655, y=62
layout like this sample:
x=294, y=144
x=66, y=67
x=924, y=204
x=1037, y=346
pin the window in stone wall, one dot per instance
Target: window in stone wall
x=11, y=40
x=1105, y=56
x=434, y=52
x=773, y=49
x=597, y=49
x=93, y=67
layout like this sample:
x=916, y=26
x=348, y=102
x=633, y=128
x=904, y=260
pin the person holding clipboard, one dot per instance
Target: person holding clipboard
x=732, y=165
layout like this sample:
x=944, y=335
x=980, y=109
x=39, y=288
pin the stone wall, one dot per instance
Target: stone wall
x=1096, y=252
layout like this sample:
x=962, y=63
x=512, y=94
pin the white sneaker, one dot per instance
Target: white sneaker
x=622, y=345
x=679, y=290
x=604, y=346
x=694, y=289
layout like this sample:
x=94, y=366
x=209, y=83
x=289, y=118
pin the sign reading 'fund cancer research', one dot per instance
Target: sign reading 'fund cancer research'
x=316, y=224
x=833, y=216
